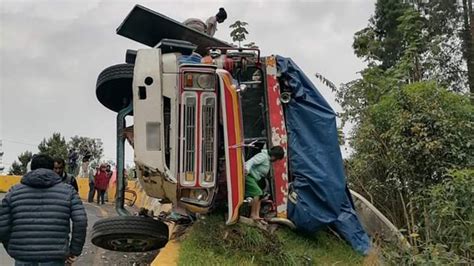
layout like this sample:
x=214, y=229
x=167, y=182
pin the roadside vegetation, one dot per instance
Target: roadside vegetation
x=211, y=242
x=412, y=119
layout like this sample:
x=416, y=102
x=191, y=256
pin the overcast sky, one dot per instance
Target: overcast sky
x=51, y=52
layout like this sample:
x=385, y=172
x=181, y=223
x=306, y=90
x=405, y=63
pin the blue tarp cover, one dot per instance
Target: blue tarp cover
x=318, y=194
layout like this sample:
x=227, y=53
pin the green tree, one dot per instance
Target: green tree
x=20, y=168
x=381, y=41
x=239, y=31
x=86, y=146
x=55, y=146
x=239, y=34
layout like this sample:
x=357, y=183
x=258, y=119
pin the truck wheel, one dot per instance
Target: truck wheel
x=114, y=86
x=130, y=234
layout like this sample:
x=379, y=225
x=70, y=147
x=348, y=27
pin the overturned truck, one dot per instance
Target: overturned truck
x=201, y=108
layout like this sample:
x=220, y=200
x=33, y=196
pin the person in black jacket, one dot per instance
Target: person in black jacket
x=59, y=165
x=35, y=218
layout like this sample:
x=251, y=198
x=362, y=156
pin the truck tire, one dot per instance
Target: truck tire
x=114, y=86
x=130, y=234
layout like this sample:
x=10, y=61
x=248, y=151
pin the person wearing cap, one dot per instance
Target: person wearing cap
x=210, y=26
x=211, y=23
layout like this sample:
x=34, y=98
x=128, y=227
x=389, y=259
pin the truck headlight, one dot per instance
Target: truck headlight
x=205, y=81
x=198, y=194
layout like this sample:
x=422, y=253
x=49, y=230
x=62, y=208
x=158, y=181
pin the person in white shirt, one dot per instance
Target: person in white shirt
x=210, y=26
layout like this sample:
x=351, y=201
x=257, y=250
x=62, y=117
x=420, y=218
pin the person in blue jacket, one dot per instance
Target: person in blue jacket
x=35, y=218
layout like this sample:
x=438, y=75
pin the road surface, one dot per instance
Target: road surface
x=92, y=255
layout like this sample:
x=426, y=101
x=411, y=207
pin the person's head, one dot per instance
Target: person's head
x=42, y=161
x=276, y=153
x=221, y=15
x=103, y=167
x=59, y=166
x=108, y=167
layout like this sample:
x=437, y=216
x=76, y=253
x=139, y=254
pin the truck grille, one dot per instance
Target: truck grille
x=189, y=136
x=208, y=139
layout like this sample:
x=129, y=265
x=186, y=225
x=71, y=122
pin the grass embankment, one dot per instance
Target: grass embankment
x=210, y=242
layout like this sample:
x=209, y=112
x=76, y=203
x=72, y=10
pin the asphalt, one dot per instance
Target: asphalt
x=92, y=255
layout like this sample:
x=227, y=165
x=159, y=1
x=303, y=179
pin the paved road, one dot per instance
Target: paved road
x=92, y=255
x=4, y=258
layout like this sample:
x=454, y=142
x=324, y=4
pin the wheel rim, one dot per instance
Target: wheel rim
x=130, y=243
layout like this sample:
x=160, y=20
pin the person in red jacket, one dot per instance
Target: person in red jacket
x=101, y=182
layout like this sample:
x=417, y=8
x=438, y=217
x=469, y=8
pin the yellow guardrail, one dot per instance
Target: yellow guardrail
x=7, y=181
x=142, y=200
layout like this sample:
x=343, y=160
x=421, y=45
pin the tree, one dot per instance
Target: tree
x=421, y=37
x=20, y=168
x=381, y=41
x=55, y=146
x=468, y=44
x=86, y=146
x=238, y=31
x=239, y=34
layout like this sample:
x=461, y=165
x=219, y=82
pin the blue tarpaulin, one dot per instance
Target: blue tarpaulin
x=318, y=194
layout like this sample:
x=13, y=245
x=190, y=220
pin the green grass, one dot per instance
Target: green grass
x=210, y=242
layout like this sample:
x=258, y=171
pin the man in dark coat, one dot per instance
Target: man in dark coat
x=59, y=166
x=35, y=218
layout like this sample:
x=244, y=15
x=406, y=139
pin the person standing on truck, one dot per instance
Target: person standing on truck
x=35, y=218
x=257, y=168
x=210, y=26
x=59, y=165
x=211, y=23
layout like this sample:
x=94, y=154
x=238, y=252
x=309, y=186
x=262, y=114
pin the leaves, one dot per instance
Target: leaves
x=20, y=168
x=55, y=146
x=239, y=33
x=86, y=146
x=326, y=81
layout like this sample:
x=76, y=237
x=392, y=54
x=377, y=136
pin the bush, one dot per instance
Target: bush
x=446, y=227
x=407, y=142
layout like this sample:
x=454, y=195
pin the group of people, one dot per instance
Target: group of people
x=99, y=179
x=99, y=182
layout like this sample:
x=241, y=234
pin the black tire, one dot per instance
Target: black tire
x=130, y=234
x=114, y=86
